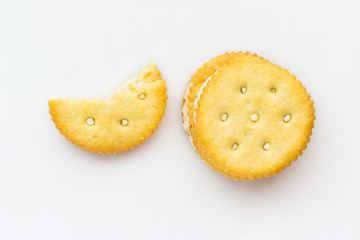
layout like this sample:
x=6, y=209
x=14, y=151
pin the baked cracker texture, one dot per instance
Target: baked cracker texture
x=252, y=119
x=116, y=124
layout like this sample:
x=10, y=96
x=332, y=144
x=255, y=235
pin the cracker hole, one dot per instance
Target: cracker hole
x=90, y=121
x=287, y=118
x=254, y=117
x=124, y=122
x=142, y=96
x=243, y=89
x=266, y=146
x=273, y=90
x=234, y=146
x=224, y=117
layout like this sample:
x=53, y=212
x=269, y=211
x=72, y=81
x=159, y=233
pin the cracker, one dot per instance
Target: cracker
x=251, y=118
x=119, y=123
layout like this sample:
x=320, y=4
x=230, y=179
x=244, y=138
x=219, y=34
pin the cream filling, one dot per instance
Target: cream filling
x=185, y=109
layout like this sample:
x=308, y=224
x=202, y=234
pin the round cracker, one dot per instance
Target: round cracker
x=264, y=146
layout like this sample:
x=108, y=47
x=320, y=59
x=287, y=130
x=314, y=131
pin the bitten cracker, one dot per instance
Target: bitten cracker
x=249, y=118
x=119, y=123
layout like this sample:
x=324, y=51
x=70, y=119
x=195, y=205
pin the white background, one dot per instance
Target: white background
x=51, y=189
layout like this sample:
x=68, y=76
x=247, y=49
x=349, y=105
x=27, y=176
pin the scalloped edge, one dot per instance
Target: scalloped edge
x=202, y=152
x=127, y=83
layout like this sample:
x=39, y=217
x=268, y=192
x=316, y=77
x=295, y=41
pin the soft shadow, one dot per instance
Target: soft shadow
x=258, y=186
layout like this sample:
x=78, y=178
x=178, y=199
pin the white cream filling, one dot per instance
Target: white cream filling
x=185, y=109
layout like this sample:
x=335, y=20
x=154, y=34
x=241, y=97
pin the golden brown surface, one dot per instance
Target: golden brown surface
x=271, y=93
x=110, y=133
